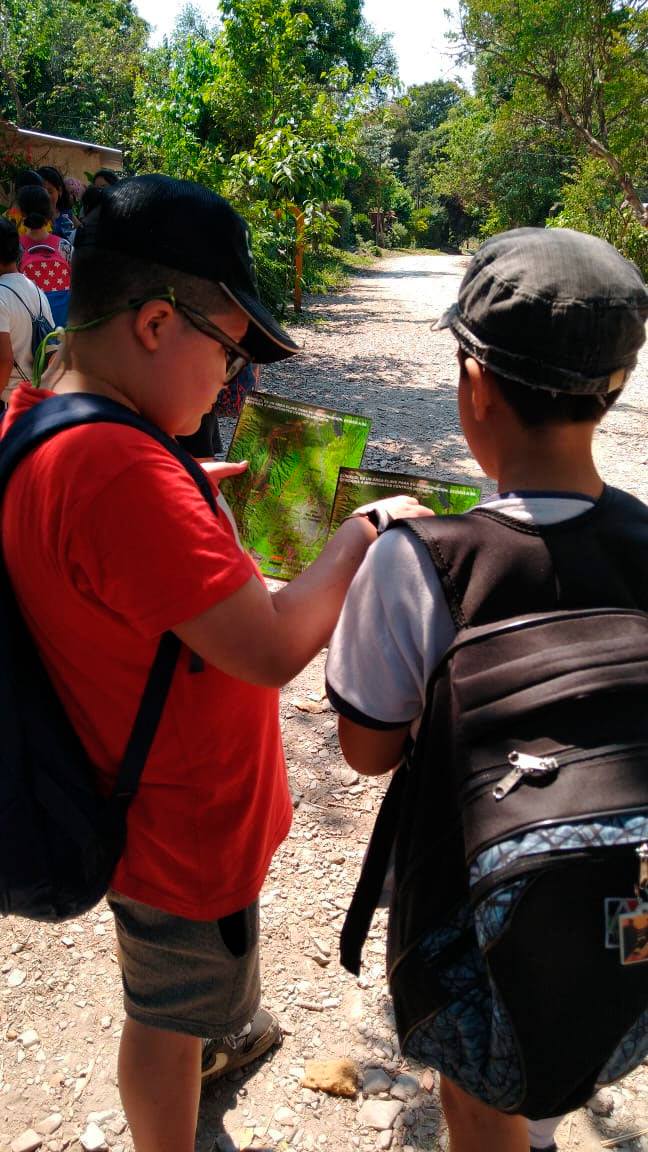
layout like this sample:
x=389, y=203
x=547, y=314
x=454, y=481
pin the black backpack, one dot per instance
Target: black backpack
x=520, y=826
x=59, y=839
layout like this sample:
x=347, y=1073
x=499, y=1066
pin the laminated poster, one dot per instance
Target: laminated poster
x=283, y=503
x=357, y=487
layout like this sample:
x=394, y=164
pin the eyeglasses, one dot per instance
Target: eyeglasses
x=236, y=357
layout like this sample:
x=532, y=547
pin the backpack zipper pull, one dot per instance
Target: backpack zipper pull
x=526, y=765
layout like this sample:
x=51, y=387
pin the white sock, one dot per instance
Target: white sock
x=542, y=1132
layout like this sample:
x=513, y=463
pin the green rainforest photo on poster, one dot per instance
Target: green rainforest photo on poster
x=283, y=503
x=357, y=487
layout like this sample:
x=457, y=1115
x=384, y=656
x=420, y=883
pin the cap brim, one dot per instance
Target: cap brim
x=265, y=340
x=444, y=321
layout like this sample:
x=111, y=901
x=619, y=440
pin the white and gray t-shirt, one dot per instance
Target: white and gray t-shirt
x=395, y=624
x=15, y=319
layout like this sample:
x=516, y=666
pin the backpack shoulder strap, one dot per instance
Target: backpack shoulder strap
x=58, y=413
x=432, y=531
x=34, y=428
x=24, y=304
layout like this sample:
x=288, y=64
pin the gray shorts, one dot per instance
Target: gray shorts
x=192, y=976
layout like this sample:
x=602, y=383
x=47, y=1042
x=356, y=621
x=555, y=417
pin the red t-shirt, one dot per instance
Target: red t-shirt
x=109, y=543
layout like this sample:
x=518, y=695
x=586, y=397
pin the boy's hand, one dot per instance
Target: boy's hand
x=218, y=470
x=382, y=512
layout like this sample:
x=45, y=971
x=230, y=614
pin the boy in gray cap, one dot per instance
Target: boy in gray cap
x=548, y=326
x=164, y=310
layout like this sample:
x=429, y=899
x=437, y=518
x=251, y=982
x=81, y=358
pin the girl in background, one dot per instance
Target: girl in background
x=62, y=222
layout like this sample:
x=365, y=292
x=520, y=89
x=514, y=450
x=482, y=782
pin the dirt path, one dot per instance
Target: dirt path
x=60, y=1010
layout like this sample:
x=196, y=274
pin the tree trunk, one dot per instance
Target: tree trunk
x=597, y=148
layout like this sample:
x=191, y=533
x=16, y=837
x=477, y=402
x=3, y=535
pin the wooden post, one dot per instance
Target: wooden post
x=297, y=212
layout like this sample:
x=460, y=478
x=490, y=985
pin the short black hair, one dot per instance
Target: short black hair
x=9, y=241
x=27, y=177
x=53, y=176
x=35, y=205
x=108, y=175
x=535, y=407
x=90, y=199
x=104, y=281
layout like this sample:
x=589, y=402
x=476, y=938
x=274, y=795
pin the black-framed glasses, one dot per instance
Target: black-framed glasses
x=236, y=357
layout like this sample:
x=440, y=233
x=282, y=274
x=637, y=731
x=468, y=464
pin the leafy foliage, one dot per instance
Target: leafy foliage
x=579, y=66
x=592, y=203
x=293, y=107
x=70, y=68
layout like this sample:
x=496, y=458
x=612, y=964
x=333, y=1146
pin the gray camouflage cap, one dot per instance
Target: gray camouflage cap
x=551, y=308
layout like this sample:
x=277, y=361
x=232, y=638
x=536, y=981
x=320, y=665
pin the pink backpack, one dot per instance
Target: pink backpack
x=45, y=264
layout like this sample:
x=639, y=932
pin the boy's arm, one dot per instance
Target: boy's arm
x=267, y=639
x=6, y=359
x=393, y=629
x=371, y=752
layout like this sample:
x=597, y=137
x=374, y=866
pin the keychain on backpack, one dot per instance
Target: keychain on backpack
x=626, y=920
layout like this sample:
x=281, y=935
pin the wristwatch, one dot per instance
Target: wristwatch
x=379, y=517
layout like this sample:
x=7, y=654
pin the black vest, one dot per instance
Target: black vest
x=492, y=567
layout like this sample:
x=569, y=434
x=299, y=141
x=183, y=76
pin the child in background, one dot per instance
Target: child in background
x=20, y=303
x=62, y=222
x=24, y=179
x=45, y=256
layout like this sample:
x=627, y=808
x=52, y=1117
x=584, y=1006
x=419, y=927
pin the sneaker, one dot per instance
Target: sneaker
x=222, y=1056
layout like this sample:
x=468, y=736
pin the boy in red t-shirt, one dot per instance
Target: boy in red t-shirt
x=116, y=532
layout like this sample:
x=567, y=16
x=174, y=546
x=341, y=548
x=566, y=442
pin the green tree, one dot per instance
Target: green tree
x=70, y=68
x=422, y=109
x=577, y=65
x=502, y=171
x=592, y=202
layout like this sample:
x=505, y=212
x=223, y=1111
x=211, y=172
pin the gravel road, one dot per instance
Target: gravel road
x=369, y=349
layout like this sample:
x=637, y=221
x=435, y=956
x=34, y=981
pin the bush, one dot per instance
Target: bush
x=323, y=270
x=399, y=235
x=592, y=202
x=362, y=225
x=401, y=202
x=429, y=227
x=273, y=260
x=342, y=213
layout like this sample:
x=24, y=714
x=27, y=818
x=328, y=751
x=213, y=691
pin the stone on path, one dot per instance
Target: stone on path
x=93, y=1139
x=28, y=1038
x=427, y=1080
x=374, y=1081
x=338, y=1077
x=602, y=1103
x=285, y=1116
x=379, y=1114
x=405, y=1087
x=16, y=977
x=50, y=1124
x=27, y=1142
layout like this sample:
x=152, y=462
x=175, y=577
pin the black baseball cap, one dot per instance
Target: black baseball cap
x=185, y=226
x=551, y=308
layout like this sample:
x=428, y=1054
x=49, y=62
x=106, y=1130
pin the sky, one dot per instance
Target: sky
x=418, y=28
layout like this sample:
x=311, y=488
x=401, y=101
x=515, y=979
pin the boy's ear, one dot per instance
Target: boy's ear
x=151, y=322
x=481, y=388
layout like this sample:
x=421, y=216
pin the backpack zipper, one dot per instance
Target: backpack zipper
x=535, y=862
x=526, y=767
